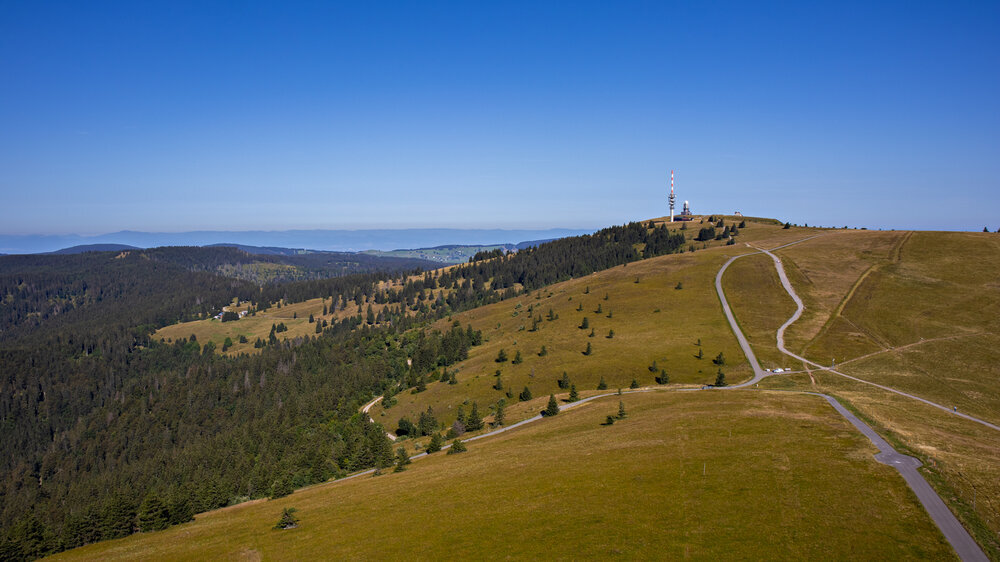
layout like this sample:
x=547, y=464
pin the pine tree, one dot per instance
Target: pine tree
x=427, y=423
x=610, y=420
x=602, y=385
x=499, y=416
x=589, y=349
x=475, y=421
x=281, y=487
x=621, y=410
x=525, y=395
x=501, y=357
x=517, y=358
x=435, y=444
x=720, y=359
x=564, y=381
x=153, y=514
x=635, y=384
x=573, y=395
x=457, y=447
x=543, y=352
x=288, y=519
x=611, y=334
x=585, y=324
x=402, y=459
x=553, y=407
x=720, y=379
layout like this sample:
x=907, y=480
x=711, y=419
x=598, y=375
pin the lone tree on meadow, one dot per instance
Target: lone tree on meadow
x=517, y=358
x=564, y=381
x=720, y=359
x=543, y=352
x=475, y=421
x=720, y=378
x=589, y=350
x=457, y=447
x=553, y=407
x=501, y=357
x=525, y=395
x=573, y=394
x=585, y=324
x=499, y=415
x=621, y=410
x=602, y=385
x=402, y=459
x=435, y=444
x=634, y=385
x=288, y=519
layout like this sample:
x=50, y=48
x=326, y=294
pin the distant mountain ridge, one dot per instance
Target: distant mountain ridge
x=94, y=248
x=323, y=240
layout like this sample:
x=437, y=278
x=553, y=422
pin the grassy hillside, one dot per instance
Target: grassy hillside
x=914, y=311
x=652, y=320
x=686, y=475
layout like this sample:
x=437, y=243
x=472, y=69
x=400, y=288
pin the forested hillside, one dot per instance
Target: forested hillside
x=107, y=432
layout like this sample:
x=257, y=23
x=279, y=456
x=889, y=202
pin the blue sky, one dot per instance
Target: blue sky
x=228, y=116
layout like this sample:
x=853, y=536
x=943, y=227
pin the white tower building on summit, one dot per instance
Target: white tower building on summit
x=672, y=198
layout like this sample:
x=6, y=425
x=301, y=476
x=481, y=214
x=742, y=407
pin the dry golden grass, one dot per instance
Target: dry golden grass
x=708, y=475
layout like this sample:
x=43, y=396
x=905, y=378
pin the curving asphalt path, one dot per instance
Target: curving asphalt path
x=798, y=312
x=953, y=531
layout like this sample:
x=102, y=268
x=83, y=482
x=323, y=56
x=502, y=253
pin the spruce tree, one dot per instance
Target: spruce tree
x=621, y=410
x=475, y=421
x=457, y=447
x=720, y=379
x=573, y=395
x=543, y=352
x=501, y=357
x=525, y=395
x=153, y=514
x=564, y=381
x=585, y=324
x=602, y=385
x=589, y=349
x=402, y=459
x=553, y=407
x=499, y=415
x=635, y=384
x=611, y=334
x=610, y=420
x=517, y=358
x=435, y=444
x=288, y=519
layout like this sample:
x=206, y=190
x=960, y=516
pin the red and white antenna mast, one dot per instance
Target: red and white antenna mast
x=672, y=198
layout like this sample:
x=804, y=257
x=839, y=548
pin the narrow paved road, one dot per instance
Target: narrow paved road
x=957, y=536
x=798, y=312
x=953, y=531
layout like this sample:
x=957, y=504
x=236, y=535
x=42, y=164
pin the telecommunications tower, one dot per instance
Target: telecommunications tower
x=673, y=197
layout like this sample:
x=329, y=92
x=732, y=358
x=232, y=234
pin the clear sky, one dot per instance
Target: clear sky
x=178, y=116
